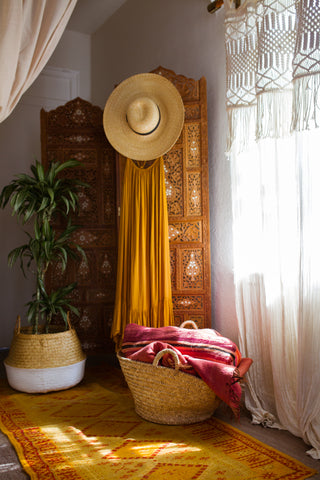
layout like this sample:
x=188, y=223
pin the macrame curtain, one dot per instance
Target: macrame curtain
x=29, y=32
x=143, y=289
x=273, y=108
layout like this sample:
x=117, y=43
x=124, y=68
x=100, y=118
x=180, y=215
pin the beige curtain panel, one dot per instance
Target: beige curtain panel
x=273, y=108
x=29, y=32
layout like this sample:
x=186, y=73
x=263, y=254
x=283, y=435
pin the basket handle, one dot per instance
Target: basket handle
x=189, y=322
x=17, y=325
x=160, y=355
x=68, y=320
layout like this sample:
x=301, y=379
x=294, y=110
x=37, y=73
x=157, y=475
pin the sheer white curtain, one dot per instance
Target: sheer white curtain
x=29, y=33
x=273, y=105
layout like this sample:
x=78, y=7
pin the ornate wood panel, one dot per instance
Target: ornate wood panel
x=75, y=130
x=186, y=172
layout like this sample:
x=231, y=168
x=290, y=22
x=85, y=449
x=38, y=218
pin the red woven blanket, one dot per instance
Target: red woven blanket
x=204, y=352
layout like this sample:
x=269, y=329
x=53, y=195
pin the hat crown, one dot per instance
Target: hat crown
x=143, y=115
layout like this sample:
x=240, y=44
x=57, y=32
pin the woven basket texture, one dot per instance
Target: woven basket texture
x=45, y=350
x=165, y=395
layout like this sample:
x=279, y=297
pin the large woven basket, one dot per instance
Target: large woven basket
x=44, y=362
x=46, y=350
x=165, y=395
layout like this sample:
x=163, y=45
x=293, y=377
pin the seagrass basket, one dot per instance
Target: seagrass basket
x=166, y=395
x=46, y=361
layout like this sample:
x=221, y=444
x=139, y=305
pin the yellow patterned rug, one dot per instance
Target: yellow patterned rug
x=92, y=432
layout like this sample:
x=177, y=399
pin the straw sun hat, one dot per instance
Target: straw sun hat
x=143, y=116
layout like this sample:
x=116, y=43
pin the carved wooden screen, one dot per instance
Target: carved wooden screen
x=186, y=172
x=75, y=130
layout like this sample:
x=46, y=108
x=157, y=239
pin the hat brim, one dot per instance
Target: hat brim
x=117, y=129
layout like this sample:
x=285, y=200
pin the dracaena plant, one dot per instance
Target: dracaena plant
x=38, y=199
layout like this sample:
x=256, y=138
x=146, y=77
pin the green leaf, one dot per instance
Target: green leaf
x=33, y=169
x=82, y=253
x=51, y=194
x=13, y=201
x=6, y=194
x=44, y=204
x=68, y=164
x=14, y=255
x=40, y=171
x=65, y=200
x=37, y=230
x=72, y=200
x=46, y=229
x=64, y=316
x=32, y=310
x=30, y=211
x=63, y=258
x=73, y=309
x=48, y=249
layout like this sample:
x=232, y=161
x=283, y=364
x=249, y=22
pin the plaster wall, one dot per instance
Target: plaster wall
x=182, y=36
x=20, y=144
x=74, y=52
x=143, y=34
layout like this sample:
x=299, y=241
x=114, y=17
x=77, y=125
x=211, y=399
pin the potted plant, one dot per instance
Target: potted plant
x=42, y=356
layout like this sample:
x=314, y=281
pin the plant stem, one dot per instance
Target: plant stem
x=36, y=320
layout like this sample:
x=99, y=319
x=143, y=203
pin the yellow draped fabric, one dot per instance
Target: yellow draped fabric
x=143, y=289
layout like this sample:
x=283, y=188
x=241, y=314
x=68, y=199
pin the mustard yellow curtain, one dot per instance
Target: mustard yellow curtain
x=143, y=290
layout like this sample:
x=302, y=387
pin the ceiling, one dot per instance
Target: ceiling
x=89, y=15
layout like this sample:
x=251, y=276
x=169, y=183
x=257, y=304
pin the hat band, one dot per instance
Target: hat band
x=151, y=131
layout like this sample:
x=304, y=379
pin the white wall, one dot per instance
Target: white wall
x=143, y=34
x=20, y=143
x=74, y=52
x=182, y=36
